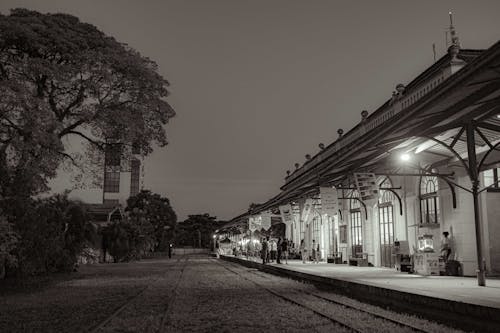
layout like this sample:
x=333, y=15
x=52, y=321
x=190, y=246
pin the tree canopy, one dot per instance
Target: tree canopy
x=59, y=78
x=197, y=230
x=156, y=210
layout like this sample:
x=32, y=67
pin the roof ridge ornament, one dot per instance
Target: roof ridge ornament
x=453, y=34
x=454, y=48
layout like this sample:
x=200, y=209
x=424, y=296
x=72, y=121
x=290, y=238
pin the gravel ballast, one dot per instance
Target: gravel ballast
x=199, y=294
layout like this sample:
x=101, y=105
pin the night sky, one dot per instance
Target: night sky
x=258, y=84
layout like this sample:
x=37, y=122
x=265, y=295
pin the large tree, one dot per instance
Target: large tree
x=62, y=78
x=155, y=210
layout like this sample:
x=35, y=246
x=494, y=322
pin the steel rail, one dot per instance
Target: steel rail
x=172, y=297
x=351, y=306
x=293, y=301
x=118, y=310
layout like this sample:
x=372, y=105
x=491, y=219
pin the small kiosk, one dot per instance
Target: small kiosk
x=426, y=261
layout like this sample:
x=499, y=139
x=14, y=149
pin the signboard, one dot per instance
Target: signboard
x=265, y=220
x=329, y=201
x=367, y=186
x=286, y=214
x=254, y=223
x=306, y=210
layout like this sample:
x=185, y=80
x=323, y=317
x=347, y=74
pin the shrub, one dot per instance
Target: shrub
x=129, y=238
x=51, y=234
x=116, y=240
x=8, y=242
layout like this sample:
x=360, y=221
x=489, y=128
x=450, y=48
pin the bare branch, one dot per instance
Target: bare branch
x=71, y=127
x=76, y=102
x=98, y=144
x=69, y=157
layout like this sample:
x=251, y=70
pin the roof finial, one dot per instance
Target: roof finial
x=454, y=48
x=453, y=33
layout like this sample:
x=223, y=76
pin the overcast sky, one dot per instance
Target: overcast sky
x=258, y=84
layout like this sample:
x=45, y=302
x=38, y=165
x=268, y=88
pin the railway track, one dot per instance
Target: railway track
x=171, y=298
x=299, y=300
x=102, y=324
x=351, y=305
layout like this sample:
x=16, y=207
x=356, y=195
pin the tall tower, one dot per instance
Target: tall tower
x=122, y=173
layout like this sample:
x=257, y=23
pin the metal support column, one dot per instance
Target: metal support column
x=474, y=175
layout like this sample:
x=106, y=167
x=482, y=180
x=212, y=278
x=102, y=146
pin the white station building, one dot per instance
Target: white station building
x=425, y=162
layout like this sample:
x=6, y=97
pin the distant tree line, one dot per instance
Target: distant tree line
x=197, y=230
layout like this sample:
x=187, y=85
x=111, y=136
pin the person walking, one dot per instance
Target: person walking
x=303, y=251
x=278, y=256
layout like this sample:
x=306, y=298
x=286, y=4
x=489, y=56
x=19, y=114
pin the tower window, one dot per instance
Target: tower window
x=135, y=176
x=112, y=181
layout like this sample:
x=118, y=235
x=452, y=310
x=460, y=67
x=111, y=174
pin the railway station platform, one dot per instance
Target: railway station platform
x=447, y=299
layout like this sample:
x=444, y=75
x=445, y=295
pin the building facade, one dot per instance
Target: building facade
x=432, y=152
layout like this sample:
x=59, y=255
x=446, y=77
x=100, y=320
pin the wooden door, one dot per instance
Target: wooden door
x=386, y=223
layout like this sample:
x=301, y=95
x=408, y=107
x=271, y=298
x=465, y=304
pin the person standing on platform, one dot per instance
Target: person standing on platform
x=317, y=255
x=280, y=250
x=273, y=249
x=303, y=251
x=249, y=249
x=314, y=254
x=264, y=251
x=170, y=251
x=284, y=250
x=445, y=246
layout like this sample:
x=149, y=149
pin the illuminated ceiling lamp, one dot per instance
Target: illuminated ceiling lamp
x=405, y=157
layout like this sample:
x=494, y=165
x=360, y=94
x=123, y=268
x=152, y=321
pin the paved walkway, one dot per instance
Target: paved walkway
x=458, y=289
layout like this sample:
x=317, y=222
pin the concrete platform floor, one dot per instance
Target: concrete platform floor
x=458, y=289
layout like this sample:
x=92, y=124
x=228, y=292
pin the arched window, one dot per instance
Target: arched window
x=356, y=226
x=429, y=200
x=491, y=178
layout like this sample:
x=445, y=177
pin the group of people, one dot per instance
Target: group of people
x=272, y=250
x=315, y=253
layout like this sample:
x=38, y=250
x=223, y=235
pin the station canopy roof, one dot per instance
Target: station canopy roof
x=430, y=116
